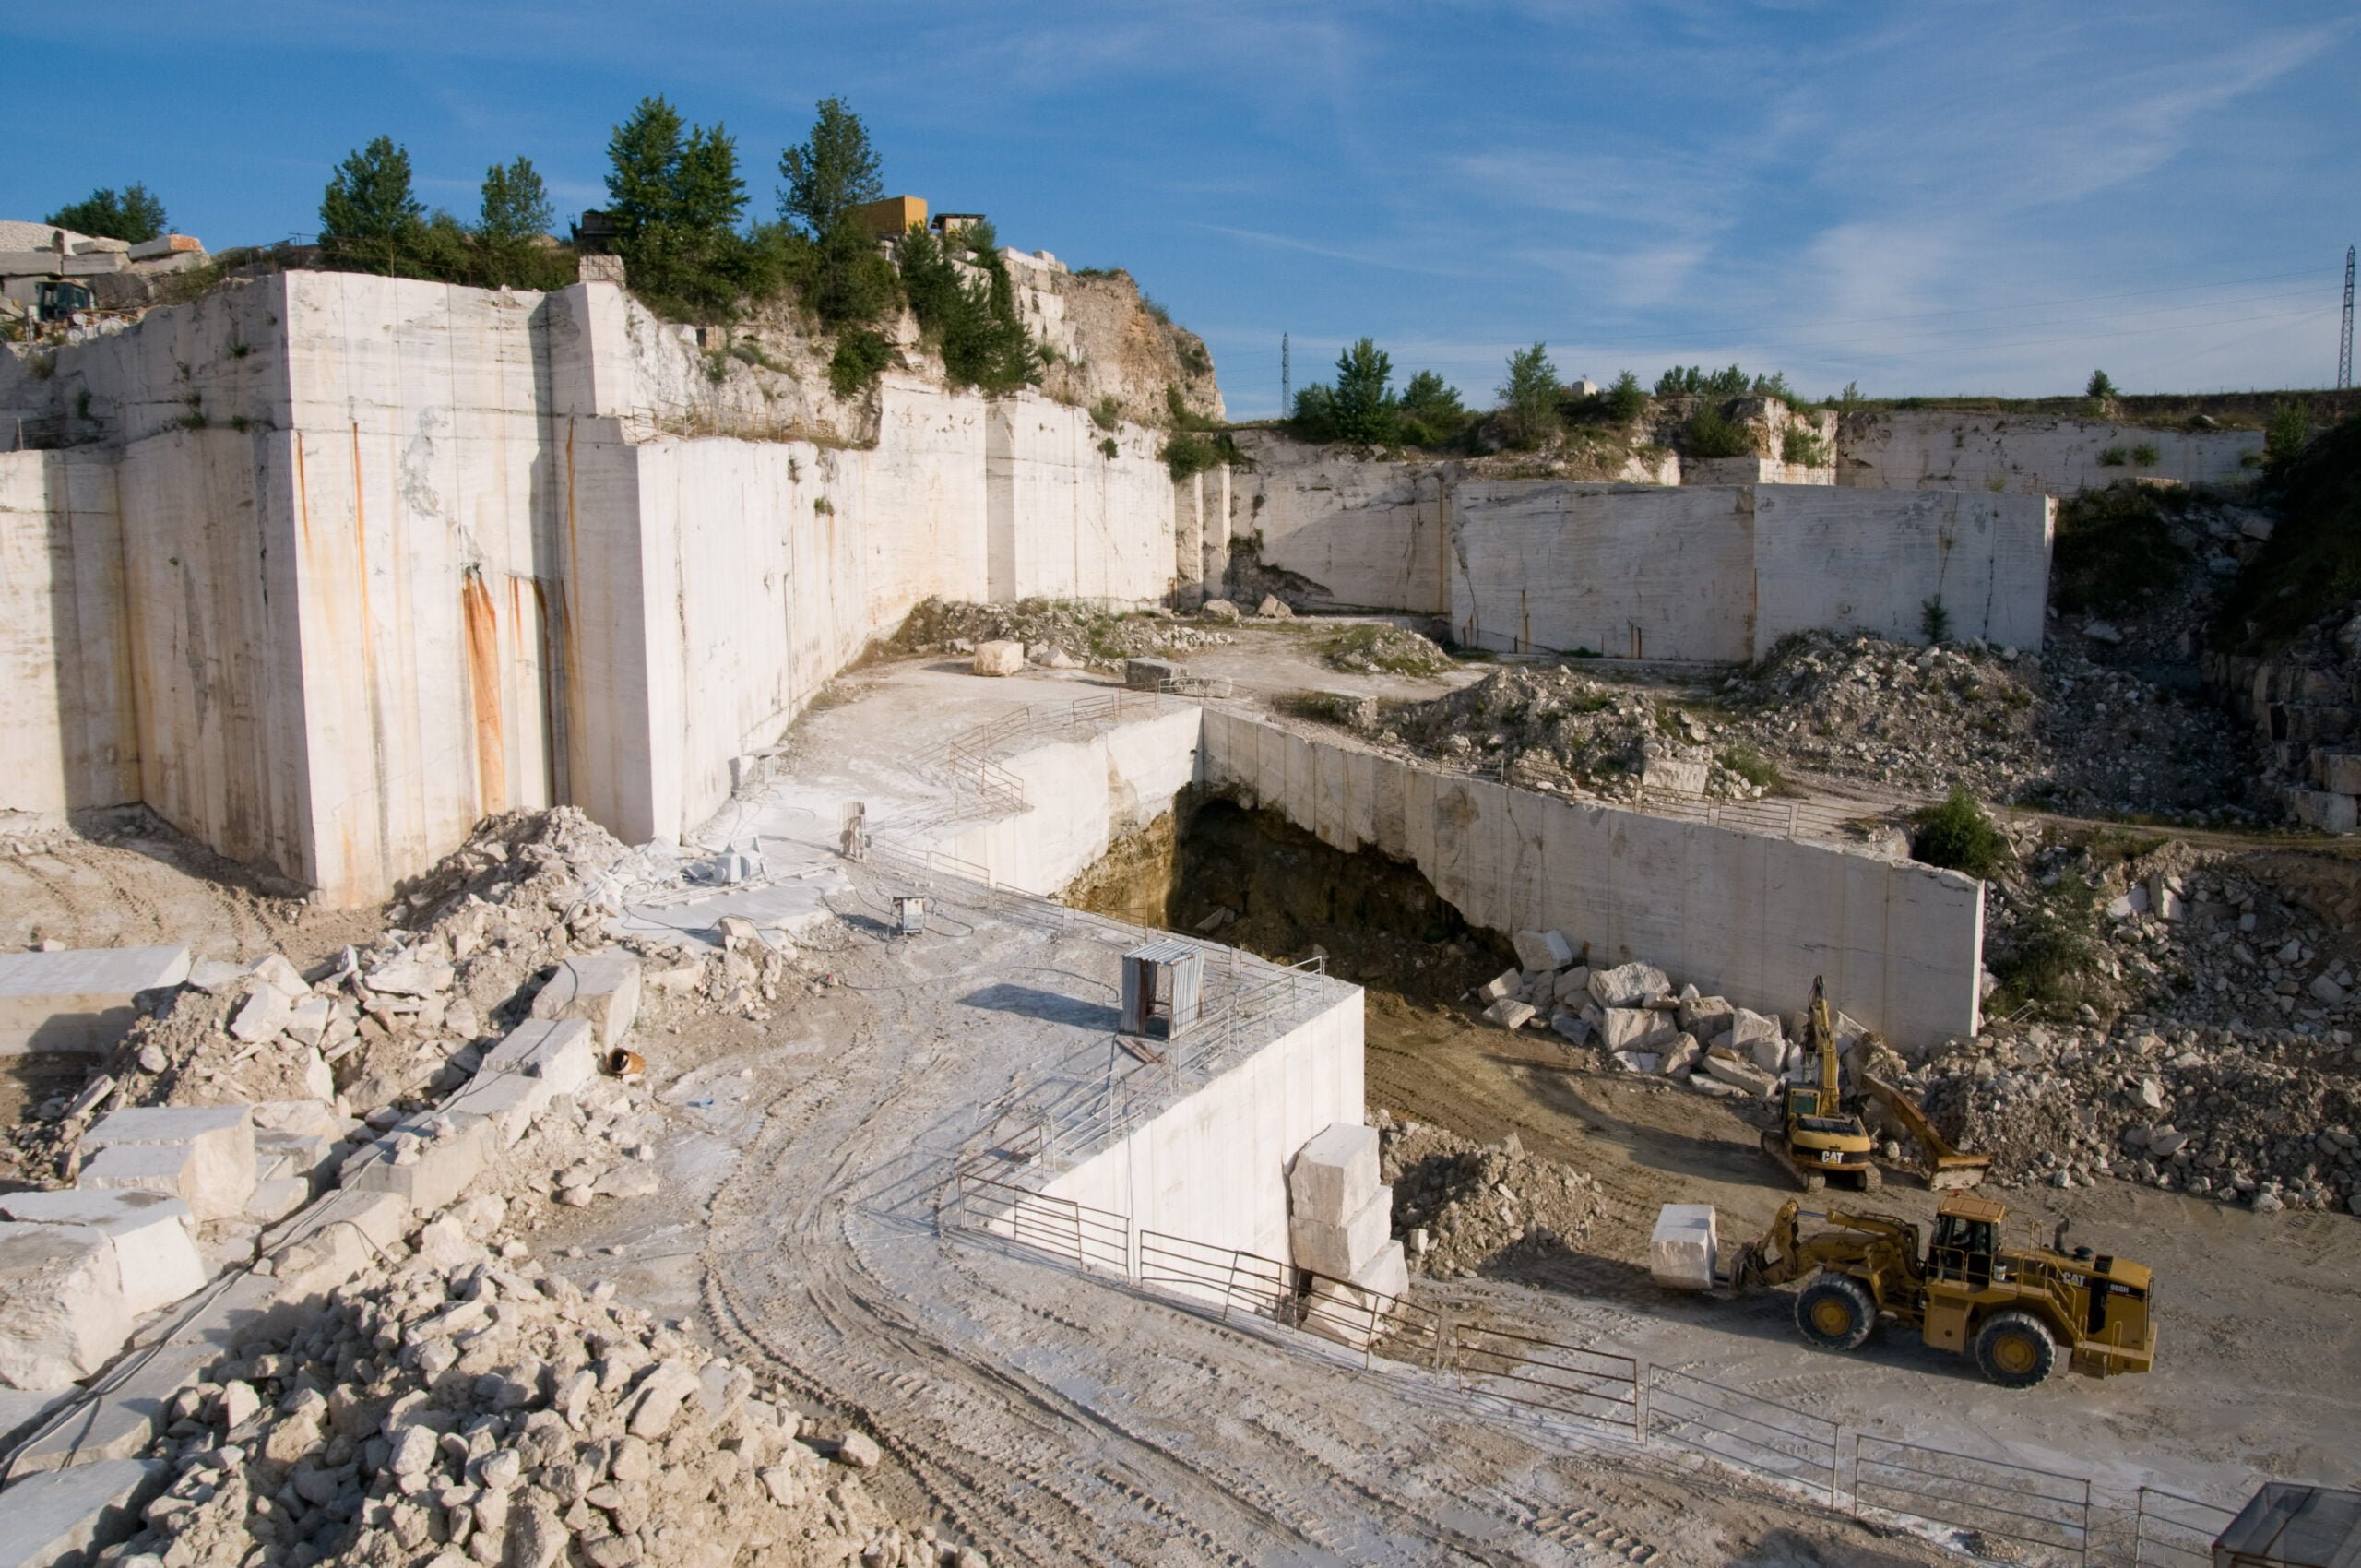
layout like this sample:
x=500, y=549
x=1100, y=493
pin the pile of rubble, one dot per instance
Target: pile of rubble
x=1641, y=1024
x=1056, y=633
x=1377, y=648
x=1550, y=727
x=2271, y=1118
x=1463, y=1209
x=2305, y=697
x=2225, y=1063
x=468, y=1406
x=2064, y=731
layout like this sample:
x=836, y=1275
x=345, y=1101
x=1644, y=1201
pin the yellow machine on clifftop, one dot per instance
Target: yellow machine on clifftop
x=2012, y=1308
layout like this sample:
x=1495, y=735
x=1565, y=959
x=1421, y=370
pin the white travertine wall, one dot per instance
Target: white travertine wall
x=1856, y=560
x=66, y=686
x=1364, y=534
x=397, y=554
x=2028, y=454
x=1213, y=1169
x=1080, y=797
x=1631, y=572
x=1752, y=917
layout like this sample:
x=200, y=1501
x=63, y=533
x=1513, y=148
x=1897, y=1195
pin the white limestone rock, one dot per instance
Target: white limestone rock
x=1509, y=1012
x=1334, y=1172
x=1741, y=1074
x=218, y=1173
x=1508, y=983
x=1273, y=608
x=1759, y=1040
x=1629, y=985
x=601, y=988
x=1542, y=951
x=999, y=659
x=1574, y=985
x=1682, y=1248
x=261, y=1015
x=153, y=1234
x=1339, y=1250
x=62, y=1310
x=1635, y=1029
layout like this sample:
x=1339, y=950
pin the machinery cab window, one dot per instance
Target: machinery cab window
x=1965, y=1240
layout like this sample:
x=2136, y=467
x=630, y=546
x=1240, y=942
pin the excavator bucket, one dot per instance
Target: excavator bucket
x=1949, y=1171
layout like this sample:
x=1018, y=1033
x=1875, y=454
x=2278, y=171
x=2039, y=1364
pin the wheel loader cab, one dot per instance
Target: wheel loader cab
x=1963, y=1250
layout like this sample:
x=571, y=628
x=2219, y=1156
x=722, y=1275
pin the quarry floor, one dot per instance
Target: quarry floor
x=1051, y=1417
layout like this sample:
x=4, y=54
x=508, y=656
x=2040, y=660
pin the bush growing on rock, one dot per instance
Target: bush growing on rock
x=1958, y=836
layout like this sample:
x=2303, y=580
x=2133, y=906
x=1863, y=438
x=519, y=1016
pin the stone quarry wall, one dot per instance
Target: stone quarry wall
x=1212, y=1168
x=1712, y=572
x=2026, y=454
x=397, y=554
x=66, y=686
x=1744, y=915
x=1629, y=571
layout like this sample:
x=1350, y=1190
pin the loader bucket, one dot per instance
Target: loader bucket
x=1955, y=1171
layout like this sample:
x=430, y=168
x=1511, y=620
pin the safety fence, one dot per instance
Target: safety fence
x=1989, y=1509
x=1745, y=1429
x=2043, y=1516
x=2172, y=1531
x=968, y=755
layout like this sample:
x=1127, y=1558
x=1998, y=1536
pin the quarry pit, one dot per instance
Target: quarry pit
x=636, y=1016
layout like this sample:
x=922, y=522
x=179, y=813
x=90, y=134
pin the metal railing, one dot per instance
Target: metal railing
x=1997, y=1509
x=1745, y=1429
x=968, y=756
x=2172, y=1531
x=2038, y=1512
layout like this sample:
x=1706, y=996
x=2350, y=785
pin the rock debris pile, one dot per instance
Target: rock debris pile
x=1462, y=1207
x=469, y=1407
x=1373, y=649
x=1548, y=727
x=2063, y=732
x=1055, y=632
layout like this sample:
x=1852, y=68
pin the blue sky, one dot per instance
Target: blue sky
x=1923, y=197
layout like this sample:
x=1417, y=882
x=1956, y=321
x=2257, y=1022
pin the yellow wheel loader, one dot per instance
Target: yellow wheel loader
x=2015, y=1310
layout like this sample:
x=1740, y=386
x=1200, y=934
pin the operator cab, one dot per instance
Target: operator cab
x=1968, y=1235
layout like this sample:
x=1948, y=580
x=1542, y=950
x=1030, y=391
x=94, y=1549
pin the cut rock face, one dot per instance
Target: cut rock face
x=213, y=1167
x=154, y=1237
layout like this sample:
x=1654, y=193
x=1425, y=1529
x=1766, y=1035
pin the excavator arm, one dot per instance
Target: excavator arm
x=1945, y=1166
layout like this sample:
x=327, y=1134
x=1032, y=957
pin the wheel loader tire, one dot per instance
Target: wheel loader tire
x=1834, y=1312
x=2015, y=1349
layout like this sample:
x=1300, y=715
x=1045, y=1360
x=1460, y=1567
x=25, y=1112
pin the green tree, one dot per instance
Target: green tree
x=833, y=172
x=1362, y=403
x=972, y=323
x=1529, y=398
x=516, y=204
x=1431, y=412
x=132, y=214
x=368, y=212
x=676, y=198
x=2099, y=386
x=1625, y=401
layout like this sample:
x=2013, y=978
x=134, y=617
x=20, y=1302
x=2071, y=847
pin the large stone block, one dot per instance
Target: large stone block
x=1740, y=1075
x=1356, y=1312
x=81, y=999
x=219, y=1175
x=559, y=1050
x=1759, y=1040
x=1000, y=658
x=601, y=989
x=424, y=1169
x=1334, y=1173
x=510, y=1101
x=1682, y=1248
x=1629, y=985
x=1635, y=1029
x=1151, y=674
x=154, y=1237
x=1340, y=1250
x=62, y=1313
x=65, y=1519
x=1546, y=950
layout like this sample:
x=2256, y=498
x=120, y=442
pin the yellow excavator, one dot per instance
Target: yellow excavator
x=1820, y=1139
x=1817, y=1140
x=2013, y=1308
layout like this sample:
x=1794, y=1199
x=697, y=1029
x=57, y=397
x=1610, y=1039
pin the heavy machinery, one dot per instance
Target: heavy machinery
x=1817, y=1140
x=1945, y=1167
x=2013, y=1308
